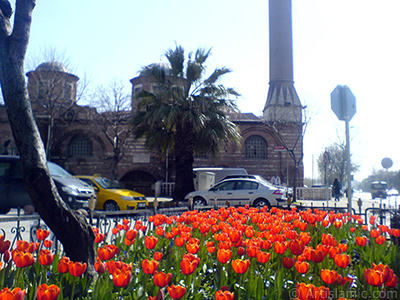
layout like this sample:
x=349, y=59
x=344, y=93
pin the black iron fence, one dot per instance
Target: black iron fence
x=24, y=227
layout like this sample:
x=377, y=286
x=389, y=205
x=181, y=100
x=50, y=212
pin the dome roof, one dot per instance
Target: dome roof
x=52, y=66
x=164, y=66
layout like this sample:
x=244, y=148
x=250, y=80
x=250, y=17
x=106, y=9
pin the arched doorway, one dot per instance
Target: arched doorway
x=139, y=181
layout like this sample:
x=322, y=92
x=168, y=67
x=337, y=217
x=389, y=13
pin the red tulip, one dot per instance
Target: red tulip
x=47, y=243
x=297, y=247
x=192, y=248
x=4, y=245
x=45, y=292
x=176, y=291
x=189, y=264
x=288, y=262
x=15, y=294
x=161, y=279
x=99, y=237
x=393, y=282
x=380, y=240
x=100, y=267
x=107, y=252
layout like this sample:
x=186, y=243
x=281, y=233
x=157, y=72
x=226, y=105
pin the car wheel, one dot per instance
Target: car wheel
x=261, y=202
x=111, y=206
x=198, y=201
x=4, y=210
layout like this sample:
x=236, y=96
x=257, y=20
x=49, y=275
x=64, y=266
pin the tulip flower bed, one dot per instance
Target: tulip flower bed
x=225, y=254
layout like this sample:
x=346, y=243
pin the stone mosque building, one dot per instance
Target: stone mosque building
x=80, y=145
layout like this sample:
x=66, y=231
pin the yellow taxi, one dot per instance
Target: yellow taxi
x=111, y=196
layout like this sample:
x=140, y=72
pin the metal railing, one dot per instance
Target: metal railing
x=106, y=221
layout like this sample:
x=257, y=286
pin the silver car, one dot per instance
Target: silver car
x=237, y=192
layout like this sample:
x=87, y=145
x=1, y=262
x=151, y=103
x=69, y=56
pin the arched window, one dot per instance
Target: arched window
x=255, y=148
x=80, y=146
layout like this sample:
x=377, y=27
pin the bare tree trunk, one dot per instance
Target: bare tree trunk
x=71, y=228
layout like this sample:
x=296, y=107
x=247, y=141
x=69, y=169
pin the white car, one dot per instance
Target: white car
x=237, y=192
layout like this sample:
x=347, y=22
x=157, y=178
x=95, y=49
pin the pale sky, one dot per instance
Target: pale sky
x=347, y=42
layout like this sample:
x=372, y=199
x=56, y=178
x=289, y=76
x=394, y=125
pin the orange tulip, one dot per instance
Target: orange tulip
x=122, y=277
x=373, y=277
x=150, y=266
x=380, y=240
x=47, y=243
x=46, y=292
x=224, y=255
x=131, y=234
x=304, y=291
x=240, y=266
x=224, y=295
x=263, y=257
x=192, y=248
x=342, y=260
x=161, y=279
x=62, y=266
x=158, y=256
x=329, y=276
x=46, y=257
x=107, y=252
x=179, y=241
x=76, y=268
x=42, y=234
x=302, y=267
x=22, y=259
x=320, y=293
x=361, y=241
x=375, y=233
x=189, y=264
x=176, y=291
x=280, y=248
x=252, y=251
x=15, y=294
x=150, y=241
x=27, y=247
x=99, y=238
x=160, y=231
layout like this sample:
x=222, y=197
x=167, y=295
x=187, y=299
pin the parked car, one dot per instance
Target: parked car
x=239, y=191
x=260, y=178
x=111, y=196
x=13, y=191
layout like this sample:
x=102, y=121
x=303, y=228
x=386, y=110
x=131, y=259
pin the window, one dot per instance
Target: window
x=255, y=148
x=247, y=185
x=80, y=146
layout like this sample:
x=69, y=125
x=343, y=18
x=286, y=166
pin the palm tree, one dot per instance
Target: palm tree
x=185, y=113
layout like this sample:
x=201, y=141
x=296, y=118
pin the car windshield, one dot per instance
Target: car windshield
x=107, y=183
x=56, y=171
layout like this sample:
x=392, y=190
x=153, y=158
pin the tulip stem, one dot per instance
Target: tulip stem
x=73, y=289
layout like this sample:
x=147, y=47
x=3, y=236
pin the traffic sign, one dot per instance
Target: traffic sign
x=343, y=103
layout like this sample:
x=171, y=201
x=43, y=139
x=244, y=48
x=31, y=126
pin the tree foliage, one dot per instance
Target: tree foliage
x=185, y=112
x=336, y=166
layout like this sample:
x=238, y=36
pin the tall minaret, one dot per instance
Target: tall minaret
x=283, y=104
